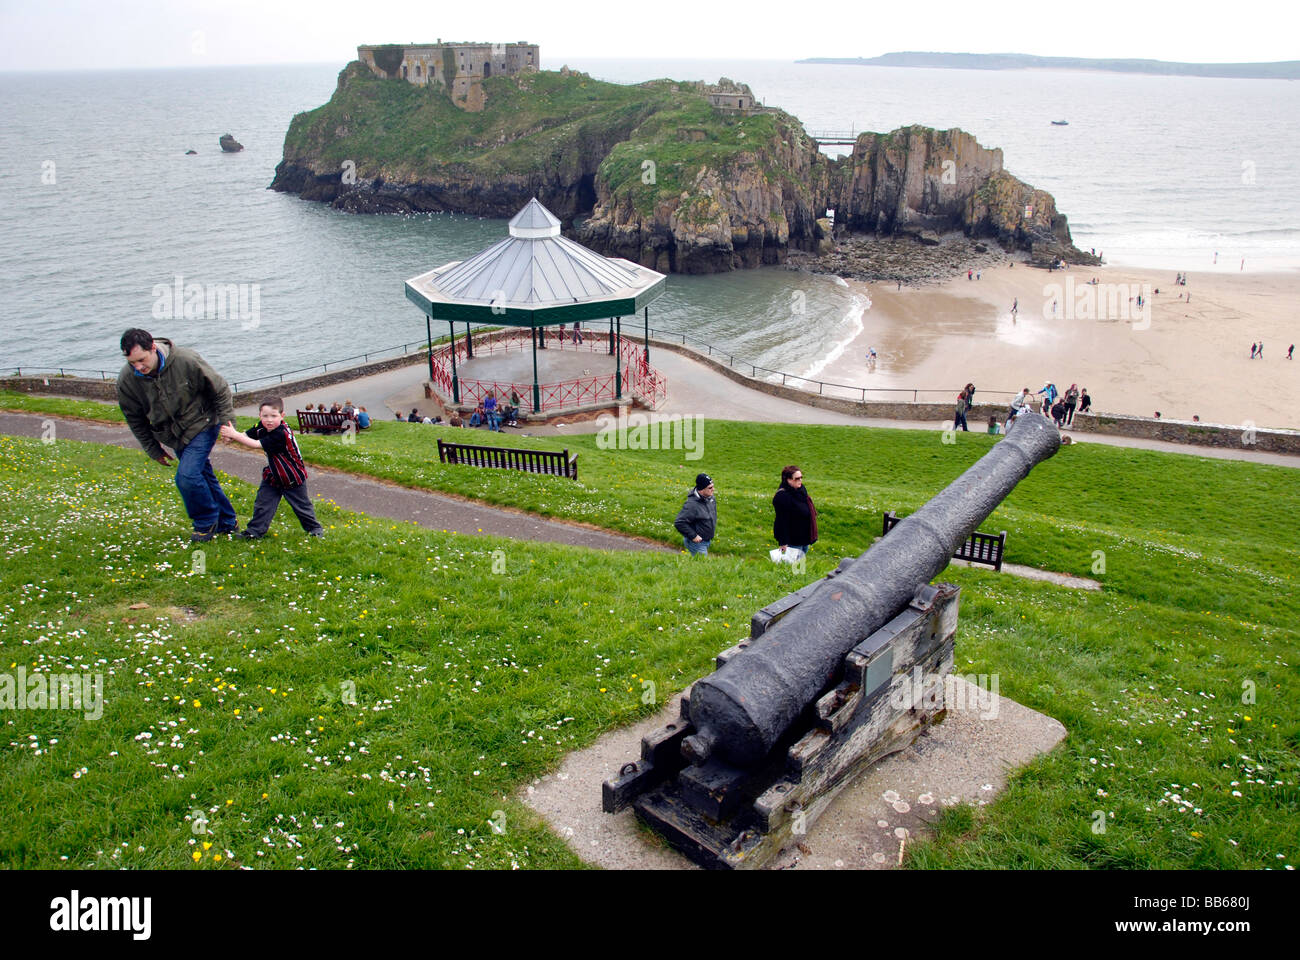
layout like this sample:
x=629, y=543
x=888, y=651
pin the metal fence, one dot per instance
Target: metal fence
x=639, y=379
x=823, y=387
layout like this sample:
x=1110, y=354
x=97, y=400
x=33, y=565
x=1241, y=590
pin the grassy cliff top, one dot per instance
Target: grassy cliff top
x=1176, y=682
x=530, y=123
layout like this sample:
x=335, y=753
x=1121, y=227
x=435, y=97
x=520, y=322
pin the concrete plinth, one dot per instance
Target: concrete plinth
x=965, y=759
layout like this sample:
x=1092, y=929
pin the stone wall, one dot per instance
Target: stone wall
x=1240, y=437
x=342, y=375
x=63, y=387
x=107, y=389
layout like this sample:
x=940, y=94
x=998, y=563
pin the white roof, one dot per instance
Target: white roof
x=535, y=268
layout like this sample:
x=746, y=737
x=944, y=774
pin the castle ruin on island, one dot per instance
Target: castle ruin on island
x=459, y=68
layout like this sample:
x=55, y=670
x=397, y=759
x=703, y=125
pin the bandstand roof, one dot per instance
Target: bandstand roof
x=535, y=277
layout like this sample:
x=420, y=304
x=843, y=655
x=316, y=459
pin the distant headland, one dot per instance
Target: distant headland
x=1277, y=70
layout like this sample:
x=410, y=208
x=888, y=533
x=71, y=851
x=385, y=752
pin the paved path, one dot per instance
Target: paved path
x=361, y=494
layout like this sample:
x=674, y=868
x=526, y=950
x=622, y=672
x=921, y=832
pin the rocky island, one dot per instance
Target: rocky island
x=682, y=177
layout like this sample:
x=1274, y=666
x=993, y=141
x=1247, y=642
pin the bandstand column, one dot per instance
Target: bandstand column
x=428, y=330
x=455, y=382
x=537, y=392
x=618, y=359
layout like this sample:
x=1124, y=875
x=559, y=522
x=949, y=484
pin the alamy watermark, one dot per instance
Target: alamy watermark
x=1098, y=301
x=53, y=691
x=75, y=913
x=208, y=301
x=979, y=692
x=639, y=431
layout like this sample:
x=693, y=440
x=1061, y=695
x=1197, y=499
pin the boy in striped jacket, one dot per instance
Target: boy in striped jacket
x=283, y=476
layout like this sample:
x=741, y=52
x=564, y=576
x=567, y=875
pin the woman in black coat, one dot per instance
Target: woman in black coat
x=796, y=517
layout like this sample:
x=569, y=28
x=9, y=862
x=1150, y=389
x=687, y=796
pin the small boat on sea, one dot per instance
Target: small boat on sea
x=1060, y=123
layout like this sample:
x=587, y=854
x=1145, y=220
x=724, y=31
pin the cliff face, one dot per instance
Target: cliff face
x=737, y=198
x=918, y=180
x=653, y=172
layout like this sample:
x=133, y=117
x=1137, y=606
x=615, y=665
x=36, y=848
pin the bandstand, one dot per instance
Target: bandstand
x=534, y=284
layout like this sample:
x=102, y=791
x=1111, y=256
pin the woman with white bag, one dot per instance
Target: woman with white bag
x=795, y=527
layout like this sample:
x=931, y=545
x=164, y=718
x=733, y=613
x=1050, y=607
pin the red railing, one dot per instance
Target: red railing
x=639, y=380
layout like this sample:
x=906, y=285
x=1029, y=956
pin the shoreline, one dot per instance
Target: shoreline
x=1181, y=357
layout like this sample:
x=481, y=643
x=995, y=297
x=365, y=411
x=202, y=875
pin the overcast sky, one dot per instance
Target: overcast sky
x=98, y=34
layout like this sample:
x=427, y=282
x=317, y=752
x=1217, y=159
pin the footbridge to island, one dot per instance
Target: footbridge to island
x=834, y=138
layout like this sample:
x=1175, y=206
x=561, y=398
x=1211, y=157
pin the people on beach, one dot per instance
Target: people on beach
x=1289, y=351
x=1019, y=404
x=1058, y=412
x=795, y=523
x=1071, y=402
x=1253, y=348
x=1048, y=393
x=697, y=521
x=284, y=476
x=959, y=414
x=169, y=395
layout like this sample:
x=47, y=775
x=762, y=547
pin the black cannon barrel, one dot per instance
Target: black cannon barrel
x=740, y=711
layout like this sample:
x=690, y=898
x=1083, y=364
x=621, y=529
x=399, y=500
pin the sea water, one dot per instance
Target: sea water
x=105, y=216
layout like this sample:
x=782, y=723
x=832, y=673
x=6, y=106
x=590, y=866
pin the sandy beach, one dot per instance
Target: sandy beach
x=1178, y=356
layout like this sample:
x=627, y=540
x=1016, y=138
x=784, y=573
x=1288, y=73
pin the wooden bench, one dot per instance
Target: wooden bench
x=550, y=462
x=980, y=548
x=322, y=421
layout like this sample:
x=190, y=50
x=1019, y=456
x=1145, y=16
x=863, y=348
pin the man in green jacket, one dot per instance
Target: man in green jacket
x=169, y=395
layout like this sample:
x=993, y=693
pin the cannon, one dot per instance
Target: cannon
x=789, y=717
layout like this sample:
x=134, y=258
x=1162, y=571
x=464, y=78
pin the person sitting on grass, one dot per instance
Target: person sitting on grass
x=414, y=416
x=363, y=419
x=455, y=420
x=285, y=475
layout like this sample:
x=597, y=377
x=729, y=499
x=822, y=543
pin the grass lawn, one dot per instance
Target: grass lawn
x=1176, y=683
